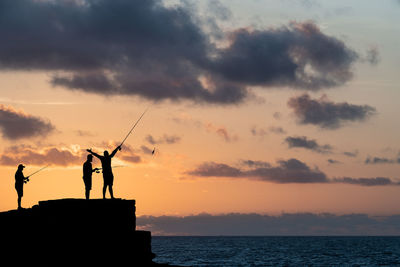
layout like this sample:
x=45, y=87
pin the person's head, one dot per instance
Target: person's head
x=89, y=157
x=106, y=153
x=21, y=167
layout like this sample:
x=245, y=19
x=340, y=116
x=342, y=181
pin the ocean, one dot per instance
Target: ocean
x=277, y=251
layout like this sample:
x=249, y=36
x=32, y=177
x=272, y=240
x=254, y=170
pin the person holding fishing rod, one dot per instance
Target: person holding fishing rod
x=20, y=180
x=108, y=177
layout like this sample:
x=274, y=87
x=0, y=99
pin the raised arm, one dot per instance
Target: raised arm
x=94, y=153
x=115, y=151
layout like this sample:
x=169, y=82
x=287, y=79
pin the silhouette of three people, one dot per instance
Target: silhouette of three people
x=108, y=177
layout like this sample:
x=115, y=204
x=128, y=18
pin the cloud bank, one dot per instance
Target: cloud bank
x=63, y=156
x=327, y=114
x=252, y=224
x=286, y=171
x=16, y=124
x=143, y=48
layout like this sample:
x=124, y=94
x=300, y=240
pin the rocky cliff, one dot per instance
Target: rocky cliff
x=75, y=232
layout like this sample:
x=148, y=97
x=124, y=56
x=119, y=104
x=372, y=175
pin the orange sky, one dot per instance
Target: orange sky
x=200, y=132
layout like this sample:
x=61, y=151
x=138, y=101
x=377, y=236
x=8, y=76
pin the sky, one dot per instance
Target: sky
x=254, y=107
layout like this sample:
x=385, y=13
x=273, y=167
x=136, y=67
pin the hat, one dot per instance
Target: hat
x=20, y=166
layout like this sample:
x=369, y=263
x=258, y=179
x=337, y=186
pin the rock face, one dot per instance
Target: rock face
x=75, y=232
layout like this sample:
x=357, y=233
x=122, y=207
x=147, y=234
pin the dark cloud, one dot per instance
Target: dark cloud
x=372, y=55
x=283, y=57
x=290, y=171
x=212, y=169
x=286, y=171
x=295, y=224
x=333, y=161
x=380, y=160
x=351, y=154
x=276, y=130
x=310, y=144
x=327, y=114
x=16, y=124
x=143, y=48
x=165, y=139
x=257, y=131
x=255, y=163
x=366, y=181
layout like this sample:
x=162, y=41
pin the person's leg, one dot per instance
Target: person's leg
x=110, y=189
x=104, y=191
x=19, y=202
x=87, y=193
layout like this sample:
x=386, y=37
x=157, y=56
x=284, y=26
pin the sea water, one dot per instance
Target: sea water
x=277, y=251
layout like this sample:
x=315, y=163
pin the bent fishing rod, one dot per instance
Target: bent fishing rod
x=129, y=133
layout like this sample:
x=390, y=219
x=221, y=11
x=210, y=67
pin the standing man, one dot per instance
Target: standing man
x=20, y=179
x=108, y=176
x=87, y=175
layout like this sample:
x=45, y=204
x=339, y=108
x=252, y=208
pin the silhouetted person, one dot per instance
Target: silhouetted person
x=20, y=179
x=108, y=176
x=87, y=175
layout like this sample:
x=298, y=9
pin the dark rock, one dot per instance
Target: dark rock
x=75, y=232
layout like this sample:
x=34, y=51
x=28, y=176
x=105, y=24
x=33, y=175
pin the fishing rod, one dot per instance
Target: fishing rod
x=27, y=178
x=123, y=141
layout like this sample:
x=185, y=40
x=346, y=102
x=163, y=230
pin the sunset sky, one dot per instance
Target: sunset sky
x=255, y=106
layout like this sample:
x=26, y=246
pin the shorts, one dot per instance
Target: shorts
x=108, y=179
x=20, y=190
x=88, y=183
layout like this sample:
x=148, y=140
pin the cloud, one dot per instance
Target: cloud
x=366, y=181
x=64, y=156
x=327, y=114
x=372, y=55
x=146, y=49
x=286, y=171
x=276, y=130
x=310, y=144
x=261, y=132
x=290, y=171
x=221, y=131
x=14, y=155
x=380, y=160
x=212, y=169
x=16, y=124
x=286, y=224
x=333, y=161
x=256, y=131
x=298, y=55
x=165, y=139
x=351, y=154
